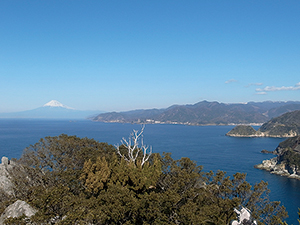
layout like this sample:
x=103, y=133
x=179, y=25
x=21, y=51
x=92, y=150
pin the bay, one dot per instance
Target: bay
x=207, y=145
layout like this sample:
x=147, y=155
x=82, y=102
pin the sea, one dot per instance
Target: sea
x=206, y=145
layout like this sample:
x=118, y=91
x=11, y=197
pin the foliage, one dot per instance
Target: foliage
x=283, y=124
x=288, y=152
x=242, y=130
x=22, y=220
x=210, y=198
x=291, y=142
x=290, y=157
x=5, y=200
x=81, y=181
x=63, y=153
x=56, y=160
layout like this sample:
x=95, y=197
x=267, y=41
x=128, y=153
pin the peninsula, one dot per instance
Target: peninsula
x=286, y=125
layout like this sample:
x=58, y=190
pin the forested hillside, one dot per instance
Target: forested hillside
x=71, y=180
x=204, y=113
x=286, y=125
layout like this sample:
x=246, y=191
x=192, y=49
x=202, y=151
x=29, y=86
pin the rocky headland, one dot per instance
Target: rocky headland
x=286, y=125
x=287, y=161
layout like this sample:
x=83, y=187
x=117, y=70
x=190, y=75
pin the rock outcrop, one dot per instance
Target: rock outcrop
x=286, y=125
x=287, y=162
x=6, y=168
x=279, y=168
x=19, y=208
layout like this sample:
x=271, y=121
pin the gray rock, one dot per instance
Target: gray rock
x=16, y=210
x=6, y=185
x=279, y=168
x=5, y=161
x=6, y=168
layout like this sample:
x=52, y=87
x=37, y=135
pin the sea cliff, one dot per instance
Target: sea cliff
x=287, y=161
x=274, y=166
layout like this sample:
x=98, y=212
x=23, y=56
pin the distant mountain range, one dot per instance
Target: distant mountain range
x=52, y=110
x=205, y=113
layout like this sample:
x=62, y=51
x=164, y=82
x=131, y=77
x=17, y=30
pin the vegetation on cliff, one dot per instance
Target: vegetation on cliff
x=288, y=122
x=292, y=143
x=291, y=158
x=289, y=152
x=287, y=162
x=242, y=131
x=72, y=180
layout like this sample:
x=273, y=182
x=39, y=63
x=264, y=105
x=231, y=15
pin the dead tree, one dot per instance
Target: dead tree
x=135, y=147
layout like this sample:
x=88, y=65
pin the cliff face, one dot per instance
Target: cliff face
x=287, y=162
x=280, y=168
x=286, y=125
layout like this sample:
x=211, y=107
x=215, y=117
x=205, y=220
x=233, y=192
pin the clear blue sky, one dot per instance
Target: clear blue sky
x=117, y=55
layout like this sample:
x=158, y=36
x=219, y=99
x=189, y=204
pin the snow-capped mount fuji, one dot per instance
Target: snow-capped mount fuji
x=52, y=110
x=54, y=103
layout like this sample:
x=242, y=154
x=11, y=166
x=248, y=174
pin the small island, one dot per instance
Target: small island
x=242, y=131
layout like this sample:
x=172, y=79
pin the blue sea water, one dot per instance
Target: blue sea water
x=207, y=145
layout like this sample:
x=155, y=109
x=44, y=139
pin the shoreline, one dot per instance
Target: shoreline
x=180, y=123
x=272, y=166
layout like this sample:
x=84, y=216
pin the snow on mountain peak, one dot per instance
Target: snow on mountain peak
x=54, y=103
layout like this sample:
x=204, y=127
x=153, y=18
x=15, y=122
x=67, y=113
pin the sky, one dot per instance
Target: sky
x=116, y=55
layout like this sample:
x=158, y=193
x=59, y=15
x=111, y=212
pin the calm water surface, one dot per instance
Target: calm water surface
x=207, y=145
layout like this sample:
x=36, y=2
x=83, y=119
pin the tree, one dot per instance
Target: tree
x=208, y=198
x=73, y=180
x=133, y=148
x=51, y=169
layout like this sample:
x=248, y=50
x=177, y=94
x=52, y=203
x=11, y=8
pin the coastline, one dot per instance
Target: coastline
x=274, y=167
x=178, y=123
x=263, y=135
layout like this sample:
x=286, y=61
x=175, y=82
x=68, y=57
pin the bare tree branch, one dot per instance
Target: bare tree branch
x=135, y=147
